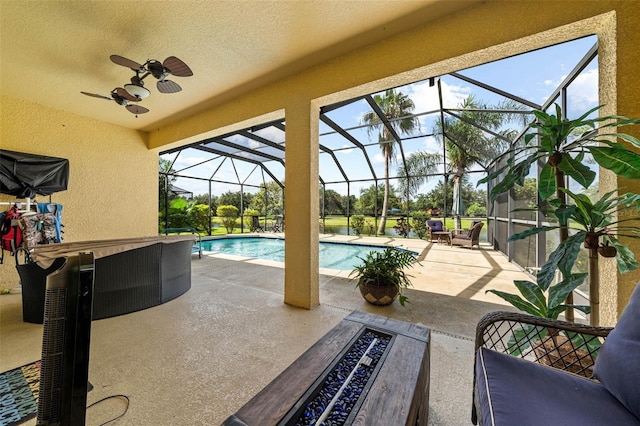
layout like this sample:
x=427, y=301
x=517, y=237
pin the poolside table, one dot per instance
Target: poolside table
x=396, y=391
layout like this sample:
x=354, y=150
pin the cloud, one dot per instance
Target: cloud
x=426, y=98
x=346, y=151
x=583, y=91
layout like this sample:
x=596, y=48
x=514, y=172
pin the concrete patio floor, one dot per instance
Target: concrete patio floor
x=197, y=359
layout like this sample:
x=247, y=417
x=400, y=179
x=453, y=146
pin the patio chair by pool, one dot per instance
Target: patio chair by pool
x=255, y=224
x=278, y=225
x=434, y=226
x=468, y=238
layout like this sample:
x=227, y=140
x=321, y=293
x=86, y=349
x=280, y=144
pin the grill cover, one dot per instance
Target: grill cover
x=25, y=175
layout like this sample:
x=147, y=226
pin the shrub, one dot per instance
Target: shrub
x=357, y=223
x=419, y=223
x=229, y=214
x=476, y=210
x=199, y=217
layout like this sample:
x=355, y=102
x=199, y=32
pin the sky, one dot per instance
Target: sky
x=532, y=76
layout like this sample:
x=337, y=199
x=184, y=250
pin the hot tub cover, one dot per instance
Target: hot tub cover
x=25, y=175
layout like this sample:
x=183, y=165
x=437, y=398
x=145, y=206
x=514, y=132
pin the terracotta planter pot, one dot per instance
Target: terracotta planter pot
x=378, y=295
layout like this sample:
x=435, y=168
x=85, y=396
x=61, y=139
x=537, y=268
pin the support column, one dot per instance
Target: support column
x=301, y=276
x=618, y=88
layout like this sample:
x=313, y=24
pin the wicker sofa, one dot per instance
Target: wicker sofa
x=130, y=274
x=556, y=372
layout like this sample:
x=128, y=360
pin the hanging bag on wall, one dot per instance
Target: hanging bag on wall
x=38, y=228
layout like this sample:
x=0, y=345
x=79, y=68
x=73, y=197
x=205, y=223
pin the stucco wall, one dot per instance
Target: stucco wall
x=113, y=177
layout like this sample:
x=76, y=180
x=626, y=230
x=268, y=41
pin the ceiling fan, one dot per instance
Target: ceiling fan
x=122, y=97
x=160, y=70
x=135, y=90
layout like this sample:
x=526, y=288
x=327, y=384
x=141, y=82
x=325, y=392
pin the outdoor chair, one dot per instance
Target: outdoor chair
x=278, y=225
x=540, y=371
x=434, y=226
x=255, y=224
x=468, y=238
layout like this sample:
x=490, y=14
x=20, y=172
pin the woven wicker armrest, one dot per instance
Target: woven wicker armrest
x=564, y=345
x=567, y=346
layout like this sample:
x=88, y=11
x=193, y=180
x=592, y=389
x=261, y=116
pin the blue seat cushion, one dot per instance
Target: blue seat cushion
x=435, y=225
x=618, y=362
x=513, y=391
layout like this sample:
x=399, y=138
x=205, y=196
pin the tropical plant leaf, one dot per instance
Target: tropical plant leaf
x=571, y=247
x=559, y=292
x=515, y=175
x=617, y=159
x=625, y=258
x=555, y=312
x=530, y=232
x=532, y=293
x=586, y=342
x=577, y=170
x=492, y=175
x=521, y=338
x=564, y=213
x=547, y=181
x=563, y=258
x=518, y=302
x=627, y=138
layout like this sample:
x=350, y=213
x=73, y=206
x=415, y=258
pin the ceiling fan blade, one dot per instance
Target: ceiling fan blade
x=168, y=86
x=128, y=96
x=177, y=67
x=136, y=109
x=95, y=95
x=120, y=60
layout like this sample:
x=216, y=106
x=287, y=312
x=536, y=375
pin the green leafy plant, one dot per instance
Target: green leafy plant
x=357, y=223
x=561, y=144
x=419, y=223
x=591, y=221
x=385, y=268
x=564, y=153
x=229, y=214
x=542, y=299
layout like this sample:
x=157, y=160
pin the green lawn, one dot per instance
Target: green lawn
x=338, y=222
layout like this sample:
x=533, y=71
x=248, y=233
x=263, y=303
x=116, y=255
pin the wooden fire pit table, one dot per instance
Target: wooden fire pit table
x=383, y=362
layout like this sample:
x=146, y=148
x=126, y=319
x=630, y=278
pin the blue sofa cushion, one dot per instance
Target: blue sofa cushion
x=435, y=225
x=513, y=391
x=618, y=362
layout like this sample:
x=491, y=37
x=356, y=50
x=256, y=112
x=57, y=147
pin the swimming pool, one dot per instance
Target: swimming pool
x=332, y=255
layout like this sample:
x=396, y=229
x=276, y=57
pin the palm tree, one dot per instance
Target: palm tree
x=466, y=144
x=397, y=108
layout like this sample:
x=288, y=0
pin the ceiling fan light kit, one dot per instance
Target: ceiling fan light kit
x=135, y=91
x=139, y=92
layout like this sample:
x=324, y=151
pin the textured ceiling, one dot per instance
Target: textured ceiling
x=52, y=50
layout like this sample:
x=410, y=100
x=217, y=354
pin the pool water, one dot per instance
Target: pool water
x=332, y=255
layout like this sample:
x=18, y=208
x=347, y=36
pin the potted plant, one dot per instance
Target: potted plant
x=381, y=276
x=542, y=299
x=561, y=145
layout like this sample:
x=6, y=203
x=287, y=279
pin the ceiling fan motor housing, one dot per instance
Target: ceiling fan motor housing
x=157, y=69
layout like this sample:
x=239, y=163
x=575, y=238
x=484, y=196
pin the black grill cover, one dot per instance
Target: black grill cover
x=25, y=175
